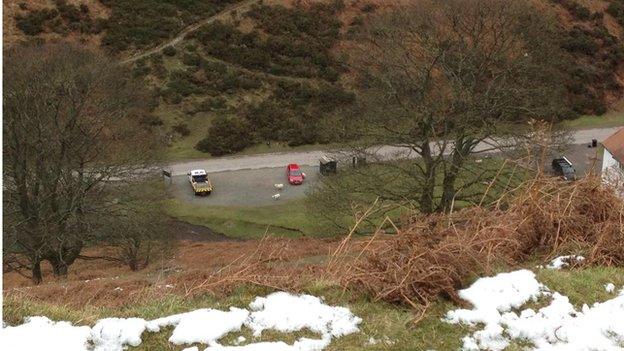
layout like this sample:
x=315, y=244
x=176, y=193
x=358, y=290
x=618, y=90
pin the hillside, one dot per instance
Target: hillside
x=275, y=72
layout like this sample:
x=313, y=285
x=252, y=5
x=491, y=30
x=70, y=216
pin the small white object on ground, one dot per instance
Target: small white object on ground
x=278, y=186
x=609, y=287
x=241, y=339
x=497, y=305
x=563, y=261
x=276, y=196
x=279, y=311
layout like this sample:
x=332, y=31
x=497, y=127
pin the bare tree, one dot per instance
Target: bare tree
x=71, y=124
x=437, y=80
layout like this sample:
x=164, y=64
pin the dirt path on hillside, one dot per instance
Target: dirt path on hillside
x=243, y=5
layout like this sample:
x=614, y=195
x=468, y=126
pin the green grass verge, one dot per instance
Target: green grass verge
x=611, y=119
x=381, y=321
x=288, y=219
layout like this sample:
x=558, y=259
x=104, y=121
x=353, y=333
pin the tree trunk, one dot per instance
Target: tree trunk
x=450, y=178
x=428, y=187
x=61, y=260
x=37, y=277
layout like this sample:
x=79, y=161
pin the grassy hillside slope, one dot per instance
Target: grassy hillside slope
x=274, y=72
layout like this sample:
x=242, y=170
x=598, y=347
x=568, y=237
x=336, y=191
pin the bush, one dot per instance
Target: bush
x=579, y=40
x=577, y=10
x=369, y=7
x=152, y=120
x=616, y=9
x=182, y=129
x=170, y=51
x=182, y=83
x=64, y=19
x=211, y=104
x=144, y=23
x=33, y=22
x=297, y=41
x=435, y=255
x=226, y=136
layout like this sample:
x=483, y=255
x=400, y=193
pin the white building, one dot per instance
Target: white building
x=613, y=161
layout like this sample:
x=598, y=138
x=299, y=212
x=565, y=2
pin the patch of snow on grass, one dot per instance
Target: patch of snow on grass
x=40, y=333
x=609, y=287
x=563, y=261
x=201, y=326
x=111, y=334
x=278, y=311
x=288, y=313
x=557, y=326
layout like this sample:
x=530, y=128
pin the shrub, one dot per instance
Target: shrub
x=579, y=40
x=33, y=22
x=170, y=51
x=143, y=23
x=296, y=43
x=211, y=104
x=577, y=10
x=435, y=255
x=182, y=129
x=152, y=120
x=369, y=7
x=182, y=83
x=226, y=136
x=616, y=9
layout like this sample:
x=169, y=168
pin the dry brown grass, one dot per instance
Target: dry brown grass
x=430, y=256
x=437, y=254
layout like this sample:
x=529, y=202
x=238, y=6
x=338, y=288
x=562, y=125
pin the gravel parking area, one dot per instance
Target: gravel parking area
x=255, y=187
x=251, y=187
x=583, y=159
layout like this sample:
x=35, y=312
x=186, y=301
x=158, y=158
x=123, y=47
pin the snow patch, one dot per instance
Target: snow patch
x=278, y=311
x=41, y=333
x=564, y=261
x=204, y=326
x=288, y=313
x=111, y=334
x=557, y=326
x=609, y=287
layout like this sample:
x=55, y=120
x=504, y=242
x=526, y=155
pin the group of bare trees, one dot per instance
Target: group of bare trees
x=72, y=145
x=438, y=78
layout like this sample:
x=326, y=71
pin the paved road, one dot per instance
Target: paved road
x=310, y=158
x=249, y=180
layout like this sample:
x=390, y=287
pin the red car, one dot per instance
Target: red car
x=294, y=174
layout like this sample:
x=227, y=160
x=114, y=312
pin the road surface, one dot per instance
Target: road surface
x=311, y=158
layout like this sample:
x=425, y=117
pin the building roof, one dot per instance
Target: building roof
x=615, y=145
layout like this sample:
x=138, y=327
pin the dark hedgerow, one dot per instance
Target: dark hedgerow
x=226, y=136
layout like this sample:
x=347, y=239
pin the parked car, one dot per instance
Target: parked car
x=199, y=182
x=294, y=174
x=563, y=168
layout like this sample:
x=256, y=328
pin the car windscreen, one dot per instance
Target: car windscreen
x=295, y=172
x=200, y=178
